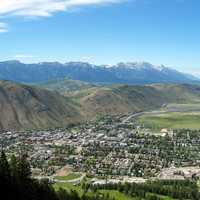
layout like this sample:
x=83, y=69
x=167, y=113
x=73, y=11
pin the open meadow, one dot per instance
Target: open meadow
x=173, y=120
x=173, y=116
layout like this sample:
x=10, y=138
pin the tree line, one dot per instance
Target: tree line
x=153, y=190
x=16, y=183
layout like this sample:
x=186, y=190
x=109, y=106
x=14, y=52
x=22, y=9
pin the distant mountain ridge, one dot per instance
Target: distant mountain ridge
x=122, y=73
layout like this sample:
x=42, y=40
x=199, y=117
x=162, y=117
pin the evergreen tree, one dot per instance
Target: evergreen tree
x=13, y=165
x=23, y=169
x=5, y=177
x=4, y=169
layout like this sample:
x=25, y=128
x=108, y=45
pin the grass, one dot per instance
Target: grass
x=189, y=107
x=112, y=193
x=121, y=196
x=69, y=187
x=175, y=120
x=117, y=195
x=78, y=188
x=70, y=176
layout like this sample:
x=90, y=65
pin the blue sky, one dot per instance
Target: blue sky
x=102, y=31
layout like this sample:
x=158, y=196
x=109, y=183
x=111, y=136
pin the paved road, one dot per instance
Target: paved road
x=72, y=181
x=53, y=179
x=135, y=115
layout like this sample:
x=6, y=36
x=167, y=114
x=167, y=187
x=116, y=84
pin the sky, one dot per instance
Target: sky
x=102, y=31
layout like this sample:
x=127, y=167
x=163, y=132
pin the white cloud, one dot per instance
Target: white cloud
x=89, y=59
x=23, y=56
x=3, y=27
x=193, y=71
x=42, y=8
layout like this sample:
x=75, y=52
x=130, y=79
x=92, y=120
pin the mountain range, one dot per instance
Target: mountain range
x=122, y=73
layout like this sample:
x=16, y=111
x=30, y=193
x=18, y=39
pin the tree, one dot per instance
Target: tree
x=13, y=165
x=4, y=169
x=5, y=177
x=23, y=169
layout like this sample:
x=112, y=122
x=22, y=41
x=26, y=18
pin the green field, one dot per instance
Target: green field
x=69, y=186
x=68, y=177
x=189, y=107
x=175, y=120
x=112, y=193
x=120, y=196
x=116, y=195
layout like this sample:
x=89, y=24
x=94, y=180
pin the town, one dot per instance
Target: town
x=113, y=148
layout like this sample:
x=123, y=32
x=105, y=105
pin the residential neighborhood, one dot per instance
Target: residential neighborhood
x=110, y=148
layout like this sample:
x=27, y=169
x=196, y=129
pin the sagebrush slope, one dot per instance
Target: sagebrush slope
x=25, y=107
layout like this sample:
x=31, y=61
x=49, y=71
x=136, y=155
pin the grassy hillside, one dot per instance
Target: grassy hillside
x=183, y=93
x=120, y=99
x=66, y=85
x=25, y=107
x=28, y=107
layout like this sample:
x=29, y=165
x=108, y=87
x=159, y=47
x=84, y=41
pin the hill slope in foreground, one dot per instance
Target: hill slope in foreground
x=25, y=107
